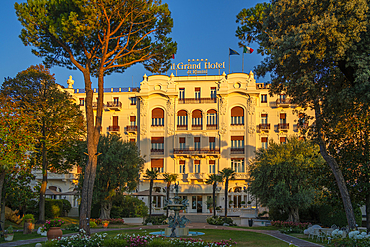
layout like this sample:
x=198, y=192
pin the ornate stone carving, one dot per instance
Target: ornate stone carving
x=251, y=105
x=143, y=107
x=170, y=104
x=143, y=130
x=223, y=129
x=223, y=105
x=70, y=82
x=170, y=129
x=251, y=129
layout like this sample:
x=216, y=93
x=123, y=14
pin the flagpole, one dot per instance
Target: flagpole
x=243, y=63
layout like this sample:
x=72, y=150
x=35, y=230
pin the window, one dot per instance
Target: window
x=115, y=100
x=282, y=140
x=157, y=164
x=302, y=120
x=264, y=141
x=237, y=116
x=182, y=166
x=212, y=166
x=182, y=142
x=115, y=121
x=182, y=118
x=263, y=98
x=196, y=166
x=197, y=92
x=237, y=142
x=213, y=93
x=212, y=143
x=283, y=118
x=157, y=117
x=237, y=165
x=132, y=120
x=132, y=140
x=263, y=118
x=197, y=118
x=133, y=100
x=212, y=118
x=82, y=101
x=157, y=143
x=196, y=143
x=182, y=93
x=282, y=97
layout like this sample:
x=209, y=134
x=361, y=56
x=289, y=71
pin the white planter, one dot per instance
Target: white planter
x=8, y=237
x=134, y=221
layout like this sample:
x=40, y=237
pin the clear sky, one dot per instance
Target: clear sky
x=203, y=29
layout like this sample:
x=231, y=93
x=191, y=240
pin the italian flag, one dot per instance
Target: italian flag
x=247, y=50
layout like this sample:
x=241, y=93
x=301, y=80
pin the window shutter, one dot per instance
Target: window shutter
x=182, y=113
x=196, y=162
x=197, y=114
x=282, y=115
x=263, y=139
x=197, y=89
x=132, y=140
x=237, y=111
x=132, y=118
x=182, y=162
x=237, y=138
x=211, y=111
x=212, y=139
x=157, y=113
x=239, y=159
x=157, y=139
x=157, y=163
x=196, y=139
x=263, y=115
x=282, y=139
x=182, y=139
x=212, y=162
x=115, y=120
x=213, y=87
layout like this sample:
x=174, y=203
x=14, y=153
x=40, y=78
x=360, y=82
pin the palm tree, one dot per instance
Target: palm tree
x=169, y=178
x=151, y=175
x=227, y=174
x=214, y=179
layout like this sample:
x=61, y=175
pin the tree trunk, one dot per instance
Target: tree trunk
x=105, y=208
x=2, y=217
x=368, y=212
x=335, y=169
x=226, y=190
x=93, y=133
x=150, y=198
x=214, y=198
x=44, y=181
x=293, y=215
x=2, y=181
x=168, y=197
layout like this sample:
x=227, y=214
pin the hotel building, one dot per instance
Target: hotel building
x=197, y=125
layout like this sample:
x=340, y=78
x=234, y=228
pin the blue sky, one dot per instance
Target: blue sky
x=203, y=29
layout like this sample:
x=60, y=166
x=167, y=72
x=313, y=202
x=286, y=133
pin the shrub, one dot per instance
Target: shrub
x=29, y=217
x=329, y=215
x=80, y=239
x=156, y=220
x=72, y=227
x=53, y=208
x=93, y=224
x=66, y=207
x=128, y=206
x=218, y=220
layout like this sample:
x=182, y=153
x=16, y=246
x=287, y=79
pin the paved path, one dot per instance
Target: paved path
x=275, y=234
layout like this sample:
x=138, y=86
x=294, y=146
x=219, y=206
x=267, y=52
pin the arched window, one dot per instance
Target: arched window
x=182, y=119
x=157, y=117
x=237, y=116
x=211, y=119
x=196, y=119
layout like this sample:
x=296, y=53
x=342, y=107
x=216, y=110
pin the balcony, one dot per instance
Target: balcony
x=197, y=101
x=237, y=124
x=265, y=127
x=114, y=105
x=302, y=125
x=197, y=176
x=131, y=129
x=191, y=151
x=283, y=102
x=157, y=151
x=237, y=151
x=113, y=128
x=283, y=126
x=211, y=126
x=182, y=127
x=196, y=127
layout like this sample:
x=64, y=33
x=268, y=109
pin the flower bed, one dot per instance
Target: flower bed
x=132, y=241
x=111, y=221
x=290, y=227
x=354, y=238
x=52, y=223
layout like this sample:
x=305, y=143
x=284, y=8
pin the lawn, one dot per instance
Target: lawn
x=241, y=237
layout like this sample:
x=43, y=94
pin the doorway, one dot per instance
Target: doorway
x=197, y=202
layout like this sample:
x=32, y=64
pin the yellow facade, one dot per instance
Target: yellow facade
x=197, y=125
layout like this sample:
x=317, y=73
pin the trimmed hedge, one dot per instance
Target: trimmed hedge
x=329, y=215
x=55, y=208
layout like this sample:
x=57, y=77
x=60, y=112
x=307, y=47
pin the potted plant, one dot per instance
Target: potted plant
x=105, y=223
x=249, y=203
x=52, y=227
x=9, y=234
x=231, y=203
x=242, y=203
x=29, y=225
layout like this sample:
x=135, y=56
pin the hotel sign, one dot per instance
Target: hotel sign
x=197, y=66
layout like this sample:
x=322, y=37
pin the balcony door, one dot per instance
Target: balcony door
x=197, y=202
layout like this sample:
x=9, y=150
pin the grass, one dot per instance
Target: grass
x=242, y=238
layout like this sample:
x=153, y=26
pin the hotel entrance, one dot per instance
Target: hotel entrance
x=196, y=203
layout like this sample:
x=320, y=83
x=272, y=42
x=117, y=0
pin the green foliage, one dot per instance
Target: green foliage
x=280, y=175
x=128, y=206
x=114, y=242
x=151, y=175
x=29, y=217
x=66, y=207
x=330, y=215
x=217, y=220
x=93, y=224
x=156, y=220
x=53, y=208
x=72, y=227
